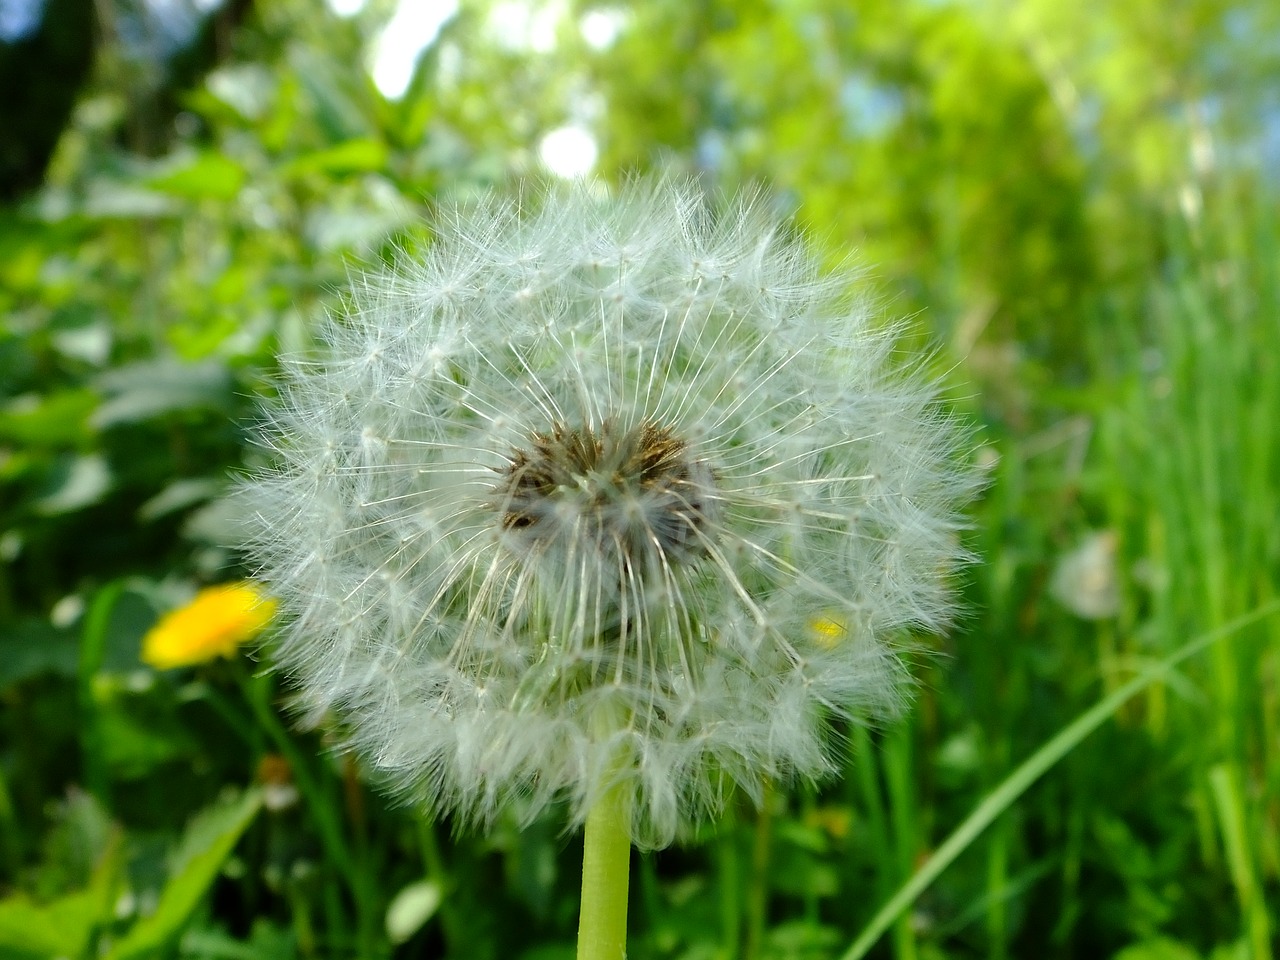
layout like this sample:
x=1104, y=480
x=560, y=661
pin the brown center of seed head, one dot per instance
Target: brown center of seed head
x=636, y=492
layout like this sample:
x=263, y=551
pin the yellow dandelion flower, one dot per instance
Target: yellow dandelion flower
x=828, y=631
x=213, y=624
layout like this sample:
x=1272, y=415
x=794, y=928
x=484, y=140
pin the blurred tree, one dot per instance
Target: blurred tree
x=46, y=50
x=154, y=55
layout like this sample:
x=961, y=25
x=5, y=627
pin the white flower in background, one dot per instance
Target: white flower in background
x=1085, y=579
x=604, y=488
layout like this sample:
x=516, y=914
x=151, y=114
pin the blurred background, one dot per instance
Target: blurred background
x=1078, y=204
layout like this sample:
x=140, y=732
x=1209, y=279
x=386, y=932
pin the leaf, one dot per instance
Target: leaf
x=353, y=156
x=58, y=929
x=411, y=908
x=90, y=343
x=266, y=942
x=343, y=227
x=34, y=647
x=207, y=176
x=104, y=198
x=1159, y=949
x=51, y=421
x=130, y=747
x=77, y=482
x=247, y=88
x=142, y=391
x=179, y=495
x=333, y=95
x=803, y=938
x=63, y=927
x=208, y=842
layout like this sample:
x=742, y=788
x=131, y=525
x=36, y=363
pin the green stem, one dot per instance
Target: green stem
x=93, y=651
x=606, y=863
x=453, y=926
x=758, y=892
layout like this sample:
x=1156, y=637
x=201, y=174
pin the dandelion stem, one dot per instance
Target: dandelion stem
x=758, y=894
x=606, y=862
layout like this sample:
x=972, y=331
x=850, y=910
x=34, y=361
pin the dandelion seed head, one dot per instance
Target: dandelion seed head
x=599, y=478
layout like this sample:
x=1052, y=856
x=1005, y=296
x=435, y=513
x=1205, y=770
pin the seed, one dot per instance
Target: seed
x=638, y=493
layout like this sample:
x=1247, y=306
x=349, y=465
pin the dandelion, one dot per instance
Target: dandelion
x=610, y=501
x=214, y=624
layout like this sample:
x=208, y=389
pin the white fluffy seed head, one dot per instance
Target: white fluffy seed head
x=603, y=478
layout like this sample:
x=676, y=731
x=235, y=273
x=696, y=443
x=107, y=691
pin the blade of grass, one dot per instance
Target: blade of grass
x=1224, y=780
x=93, y=646
x=1003, y=796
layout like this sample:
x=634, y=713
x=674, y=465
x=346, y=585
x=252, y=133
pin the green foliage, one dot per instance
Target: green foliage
x=1073, y=199
x=75, y=924
x=204, y=848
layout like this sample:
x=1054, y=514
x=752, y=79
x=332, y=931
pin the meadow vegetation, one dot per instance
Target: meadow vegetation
x=1077, y=208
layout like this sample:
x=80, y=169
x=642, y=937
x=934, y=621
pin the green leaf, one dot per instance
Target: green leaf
x=58, y=929
x=208, y=176
x=266, y=942
x=55, y=420
x=104, y=198
x=208, y=842
x=77, y=482
x=803, y=938
x=1161, y=949
x=142, y=391
x=34, y=647
x=247, y=88
x=63, y=927
x=130, y=746
x=353, y=156
x=180, y=495
x=333, y=93
x=411, y=908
